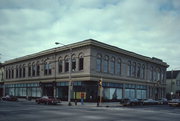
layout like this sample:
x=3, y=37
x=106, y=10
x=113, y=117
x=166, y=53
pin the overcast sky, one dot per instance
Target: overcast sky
x=146, y=27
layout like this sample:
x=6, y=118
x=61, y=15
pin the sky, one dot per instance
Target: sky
x=147, y=27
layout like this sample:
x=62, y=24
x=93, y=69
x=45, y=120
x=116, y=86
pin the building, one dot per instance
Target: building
x=1, y=80
x=173, y=83
x=124, y=74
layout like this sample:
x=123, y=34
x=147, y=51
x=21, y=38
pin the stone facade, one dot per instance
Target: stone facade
x=124, y=73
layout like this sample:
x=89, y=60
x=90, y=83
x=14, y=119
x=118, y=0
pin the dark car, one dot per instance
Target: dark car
x=163, y=101
x=130, y=102
x=150, y=102
x=47, y=100
x=9, y=98
x=174, y=102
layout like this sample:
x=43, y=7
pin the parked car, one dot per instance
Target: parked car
x=150, y=102
x=174, y=102
x=47, y=100
x=163, y=101
x=9, y=98
x=130, y=102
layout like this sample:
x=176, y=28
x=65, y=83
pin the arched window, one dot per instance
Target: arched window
x=24, y=71
x=143, y=72
x=20, y=71
x=129, y=68
x=47, y=68
x=106, y=64
x=33, y=69
x=154, y=75
x=29, y=69
x=118, y=68
x=17, y=72
x=158, y=74
x=81, y=61
x=138, y=70
x=12, y=72
x=134, y=69
x=151, y=73
x=73, y=63
x=60, y=65
x=38, y=69
x=98, y=63
x=112, y=65
x=66, y=59
x=9, y=73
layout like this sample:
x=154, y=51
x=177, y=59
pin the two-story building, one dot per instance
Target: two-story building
x=1, y=80
x=124, y=74
x=173, y=83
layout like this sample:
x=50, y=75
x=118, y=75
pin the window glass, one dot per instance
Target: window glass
x=60, y=66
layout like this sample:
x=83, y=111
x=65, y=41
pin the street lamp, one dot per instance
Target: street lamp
x=70, y=81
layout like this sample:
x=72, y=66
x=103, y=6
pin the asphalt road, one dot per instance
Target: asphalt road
x=30, y=111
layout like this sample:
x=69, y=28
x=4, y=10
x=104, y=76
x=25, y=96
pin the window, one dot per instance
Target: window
x=24, y=71
x=73, y=63
x=134, y=69
x=106, y=64
x=112, y=65
x=138, y=70
x=9, y=73
x=151, y=73
x=20, y=71
x=66, y=64
x=154, y=75
x=17, y=72
x=12, y=72
x=118, y=68
x=47, y=68
x=6, y=73
x=143, y=72
x=60, y=65
x=81, y=61
x=98, y=63
x=29, y=69
x=37, y=69
x=33, y=69
x=129, y=68
x=158, y=74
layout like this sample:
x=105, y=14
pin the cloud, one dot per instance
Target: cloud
x=150, y=28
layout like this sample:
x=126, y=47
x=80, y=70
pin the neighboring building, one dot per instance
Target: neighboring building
x=173, y=83
x=124, y=74
x=1, y=80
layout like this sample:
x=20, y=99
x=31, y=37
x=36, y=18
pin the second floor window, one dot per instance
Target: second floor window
x=60, y=66
x=118, y=68
x=33, y=70
x=112, y=66
x=17, y=72
x=24, y=71
x=98, y=63
x=106, y=64
x=73, y=63
x=129, y=68
x=133, y=69
x=138, y=70
x=29, y=70
x=37, y=69
x=47, y=69
x=66, y=65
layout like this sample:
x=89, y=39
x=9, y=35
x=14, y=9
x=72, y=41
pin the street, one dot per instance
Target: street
x=30, y=111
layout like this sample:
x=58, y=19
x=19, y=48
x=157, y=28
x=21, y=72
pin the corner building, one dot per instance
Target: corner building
x=124, y=74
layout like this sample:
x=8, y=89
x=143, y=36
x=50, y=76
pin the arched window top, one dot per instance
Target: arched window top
x=139, y=65
x=81, y=55
x=119, y=60
x=134, y=63
x=129, y=62
x=37, y=63
x=66, y=57
x=73, y=56
x=113, y=58
x=99, y=55
x=106, y=57
x=60, y=58
x=143, y=66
